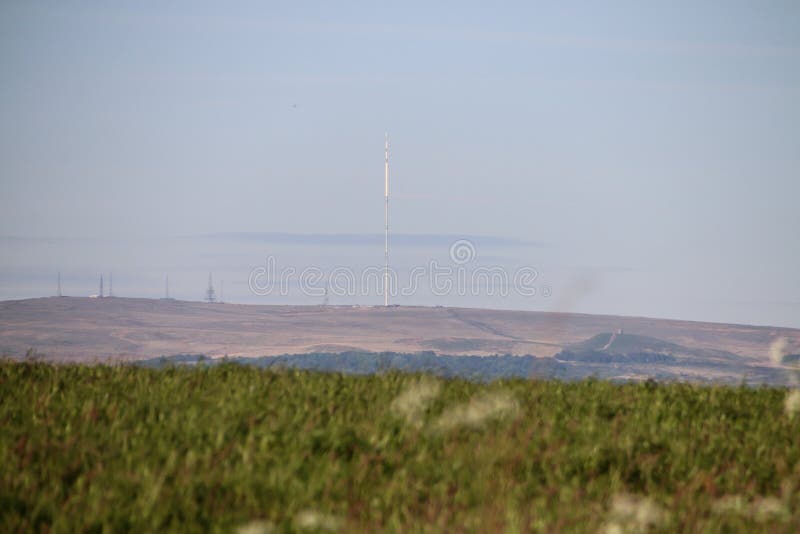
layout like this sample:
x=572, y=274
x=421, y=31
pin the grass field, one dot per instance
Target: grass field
x=100, y=448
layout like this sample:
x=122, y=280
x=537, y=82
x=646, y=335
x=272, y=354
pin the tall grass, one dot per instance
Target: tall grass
x=92, y=448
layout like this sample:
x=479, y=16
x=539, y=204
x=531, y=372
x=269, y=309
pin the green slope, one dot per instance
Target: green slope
x=122, y=448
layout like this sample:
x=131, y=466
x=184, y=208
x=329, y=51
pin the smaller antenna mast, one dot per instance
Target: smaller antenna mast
x=101, y=287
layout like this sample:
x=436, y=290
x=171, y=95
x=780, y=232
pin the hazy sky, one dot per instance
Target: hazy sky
x=663, y=141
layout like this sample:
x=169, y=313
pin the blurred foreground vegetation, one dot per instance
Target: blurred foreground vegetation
x=94, y=448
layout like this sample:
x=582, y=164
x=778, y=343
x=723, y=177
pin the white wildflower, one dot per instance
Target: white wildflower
x=412, y=403
x=777, y=350
x=613, y=528
x=314, y=520
x=731, y=504
x=791, y=404
x=479, y=410
x=768, y=508
x=256, y=527
x=630, y=513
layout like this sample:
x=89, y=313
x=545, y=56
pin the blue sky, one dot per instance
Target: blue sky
x=657, y=139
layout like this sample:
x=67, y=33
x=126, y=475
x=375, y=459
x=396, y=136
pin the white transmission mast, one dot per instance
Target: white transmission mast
x=386, y=227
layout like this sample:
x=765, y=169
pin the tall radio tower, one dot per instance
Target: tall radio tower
x=386, y=227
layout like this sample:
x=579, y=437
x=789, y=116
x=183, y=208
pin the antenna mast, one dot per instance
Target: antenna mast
x=386, y=227
x=166, y=292
x=101, y=286
x=110, y=284
x=211, y=295
x=59, y=284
